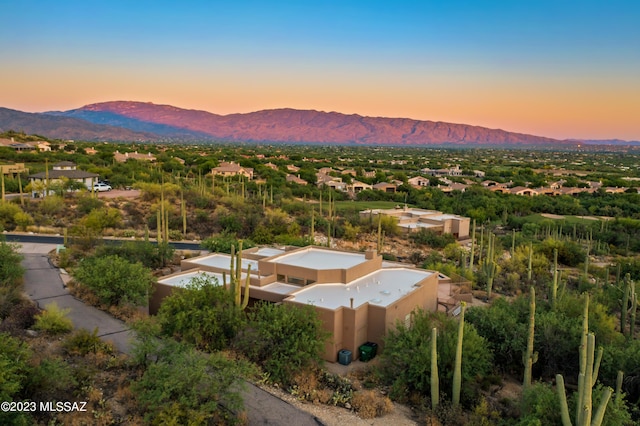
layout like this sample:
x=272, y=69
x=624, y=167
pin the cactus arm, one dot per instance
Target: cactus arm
x=599, y=414
x=564, y=408
x=245, y=300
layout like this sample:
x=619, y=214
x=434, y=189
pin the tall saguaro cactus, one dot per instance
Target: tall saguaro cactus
x=235, y=271
x=435, y=381
x=589, y=367
x=457, y=370
x=554, y=288
x=530, y=357
x=625, y=303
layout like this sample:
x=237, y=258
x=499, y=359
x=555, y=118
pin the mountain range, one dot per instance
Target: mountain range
x=140, y=121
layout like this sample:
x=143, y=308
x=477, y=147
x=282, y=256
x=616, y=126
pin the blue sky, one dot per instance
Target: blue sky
x=554, y=68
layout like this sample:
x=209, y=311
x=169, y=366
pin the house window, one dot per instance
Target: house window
x=281, y=277
x=295, y=280
x=407, y=321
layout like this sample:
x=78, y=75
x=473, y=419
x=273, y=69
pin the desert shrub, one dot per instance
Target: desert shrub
x=150, y=255
x=51, y=205
x=51, y=379
x=283, y=339
x=8, y=213
x=203, y=314
x=87, y=203
x=405, y=363
x=185, y=386
x=23, y=220
x=539, y=403
x=11, y=270
x=223, y=242
x=432, y=239
x=53, y=320
x=21, y=317
x=115, y=280
x=370, y=404
x=9, y=298
x=14, y=369
x=83, y=341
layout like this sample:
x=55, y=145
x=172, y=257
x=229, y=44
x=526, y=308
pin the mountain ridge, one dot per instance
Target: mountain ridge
x=146, y=121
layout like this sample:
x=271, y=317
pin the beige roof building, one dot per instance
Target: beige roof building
x=232, y=169
x=358, y=296
x=413, y=219
x=122, y=157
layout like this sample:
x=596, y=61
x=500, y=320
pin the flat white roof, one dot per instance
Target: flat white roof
x=320, y=259
x=223, y=261
x=280, y=288
x=269, y=251
x=183, y=279
x=381, y=288
x=419, y=225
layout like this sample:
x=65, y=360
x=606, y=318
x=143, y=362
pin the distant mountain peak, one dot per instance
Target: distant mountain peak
x=162, y=122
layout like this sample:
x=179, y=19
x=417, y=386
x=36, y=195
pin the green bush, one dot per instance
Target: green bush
x=405, y=363
x=203, y=314
x=223, y=242
x=83, y=341
x=14, y=370
x=539, y=405
x=432, y=239
x=51, y=379
x=185, y=386
x=150, y=255
x=11, y=270
x=53, y=320
x=115, y=280
x=284, y=339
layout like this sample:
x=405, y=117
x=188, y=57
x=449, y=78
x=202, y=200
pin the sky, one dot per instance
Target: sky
x=555, y=68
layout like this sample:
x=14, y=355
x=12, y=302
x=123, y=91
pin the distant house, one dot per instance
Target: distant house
x=521, y=190
x=418, y=182
x=385, y=187
x=357, y=186
x=413, y=219
x=295, y=179
x=122, y=157
x=292, y=168
x=271, y=166
x=453, y=186
x=349, y=172
x=13, y=169
x=90, y=151
x=16, y=146
x=60, y=171
x=232, y=169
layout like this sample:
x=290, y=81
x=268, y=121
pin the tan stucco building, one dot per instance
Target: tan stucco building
x=358, y=296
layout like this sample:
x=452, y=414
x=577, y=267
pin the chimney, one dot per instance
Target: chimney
x=370, y=254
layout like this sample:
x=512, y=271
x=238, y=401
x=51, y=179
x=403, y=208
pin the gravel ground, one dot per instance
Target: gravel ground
x=338, y=416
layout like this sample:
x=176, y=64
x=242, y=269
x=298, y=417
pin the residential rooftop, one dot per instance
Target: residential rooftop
x=321, y=259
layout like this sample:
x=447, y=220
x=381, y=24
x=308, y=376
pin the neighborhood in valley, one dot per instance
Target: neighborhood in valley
x=307, y=261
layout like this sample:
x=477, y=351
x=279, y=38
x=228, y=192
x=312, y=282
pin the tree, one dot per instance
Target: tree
x=115, y=280
x=203, y=314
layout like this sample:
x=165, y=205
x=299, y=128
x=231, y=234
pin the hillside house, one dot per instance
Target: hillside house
x=295, y=179
x=232, y=169
x=56, y=176
x=386, y=187
x=418, y=182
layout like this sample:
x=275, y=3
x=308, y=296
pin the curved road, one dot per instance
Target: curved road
x=43, y=283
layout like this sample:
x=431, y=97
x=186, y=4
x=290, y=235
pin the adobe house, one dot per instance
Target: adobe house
x=358, y=296
x=413, y=219
x=232, y=169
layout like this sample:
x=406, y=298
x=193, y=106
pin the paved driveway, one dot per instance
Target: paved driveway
x=42, y=283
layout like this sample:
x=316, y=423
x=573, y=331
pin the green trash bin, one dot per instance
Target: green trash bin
x=368, y=351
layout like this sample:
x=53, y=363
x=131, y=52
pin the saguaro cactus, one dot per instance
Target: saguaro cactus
x=554, y=288
x=625, y=303
x=435, y=381
x=457, y=371
x=235, y=271
x=530, y=357
x=586, y=379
